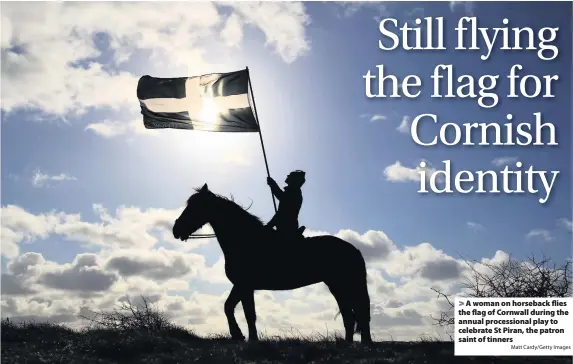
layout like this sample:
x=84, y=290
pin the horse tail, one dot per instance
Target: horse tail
x=362, y=302
x=356, y=325
x=357, y=329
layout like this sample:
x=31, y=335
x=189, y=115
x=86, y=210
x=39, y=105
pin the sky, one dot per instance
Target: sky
x=89, y=195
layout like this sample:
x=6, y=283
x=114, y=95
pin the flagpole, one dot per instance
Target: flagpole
x=260, y=134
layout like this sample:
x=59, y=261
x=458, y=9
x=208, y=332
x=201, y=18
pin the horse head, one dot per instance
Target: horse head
x=196, y=214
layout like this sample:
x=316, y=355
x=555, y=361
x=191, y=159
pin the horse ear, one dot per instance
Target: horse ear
x=204, y=188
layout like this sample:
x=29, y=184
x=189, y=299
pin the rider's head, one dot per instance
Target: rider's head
x=296, y=179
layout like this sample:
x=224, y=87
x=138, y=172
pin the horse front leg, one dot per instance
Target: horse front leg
x=230, y=304
x=248, y=300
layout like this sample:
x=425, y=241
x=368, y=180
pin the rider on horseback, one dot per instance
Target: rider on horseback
x=290, y=202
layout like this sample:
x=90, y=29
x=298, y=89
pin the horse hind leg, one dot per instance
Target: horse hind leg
x=345, y=306
x=248, y=300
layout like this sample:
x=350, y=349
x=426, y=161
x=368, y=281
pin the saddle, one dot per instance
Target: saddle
x=291, y=237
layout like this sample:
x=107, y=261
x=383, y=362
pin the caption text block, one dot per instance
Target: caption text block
x=513, y=326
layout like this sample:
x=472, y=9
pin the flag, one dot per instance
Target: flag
x=213, y=102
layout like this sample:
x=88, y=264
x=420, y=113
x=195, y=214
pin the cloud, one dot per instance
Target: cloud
x=18, y=226
x=10, y=240
x=503, y=161
x=411, y=15
x=6, y=33
x=110, y=128
x=84, y=275
x=159, y=265
x=468, y=6
x=232, y=32
x=475, y=226
x=129, y=227
x=443, y=269
x=22, y=264
x=377, y=117
x=42, y=180
x=408, y=317
x=349, y=9
x=566, y=224
x=12, y=285
x=282, y=23
x=422, y=261
x=374, y=245
x=237, y=159
x=398, y=173
x=133, y=261
x=404, y=126
x=64, y=58
x=373, y=117
x=393, y=304
x=541, y=234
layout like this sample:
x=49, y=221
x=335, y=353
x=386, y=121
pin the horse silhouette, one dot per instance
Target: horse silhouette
x=256, y=258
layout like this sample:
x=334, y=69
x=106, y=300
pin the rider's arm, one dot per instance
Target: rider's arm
x=276, y=190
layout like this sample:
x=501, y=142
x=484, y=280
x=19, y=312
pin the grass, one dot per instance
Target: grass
x=142, y=334
x=51, y=343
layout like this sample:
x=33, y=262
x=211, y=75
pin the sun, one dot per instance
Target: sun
x=209, y=113
x=206, y=141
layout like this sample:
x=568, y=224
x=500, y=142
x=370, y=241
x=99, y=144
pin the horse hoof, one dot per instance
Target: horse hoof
x=238, y=337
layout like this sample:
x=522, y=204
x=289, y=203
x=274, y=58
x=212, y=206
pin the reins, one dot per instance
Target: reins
x=201, y=236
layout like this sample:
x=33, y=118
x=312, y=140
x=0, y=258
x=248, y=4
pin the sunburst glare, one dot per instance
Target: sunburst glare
x=209, y=113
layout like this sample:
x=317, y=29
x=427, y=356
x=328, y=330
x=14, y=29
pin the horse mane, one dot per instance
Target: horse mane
x=241, y=215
